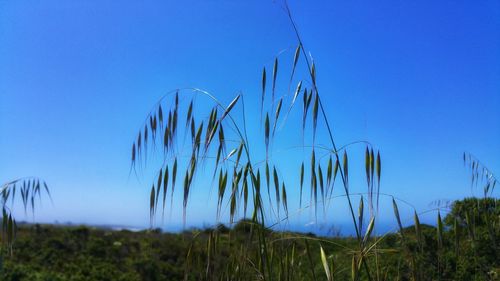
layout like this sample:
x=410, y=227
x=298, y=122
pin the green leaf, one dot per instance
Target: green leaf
x=263, y=86
x=315, y=114
x=275, y=74
x=360, y=214
x=277, y=114
x=245, y=197
x=158, y=187
x=325, y=264
x=266, y=130
x=398, y=218
x=165, y=185
x=295, y=60
x=378, y=167
x=354, y=268
x=313, y=74
x=307, y=103
x=297, y=91
x=152, y=203
x=301, y=183
x=231, y=153
x=160, y=114
x=336, y=169
x=174, y=175
x=367, y=166
x=346, y=167
x=267, y=174
x=276, y=186
x=321, y=184
x=133, y=153
x=189, y=114
x=230, y=106
x=329, y=171
x=186, y=195
x=284, y=198
x=212, y=134
x=369, y=230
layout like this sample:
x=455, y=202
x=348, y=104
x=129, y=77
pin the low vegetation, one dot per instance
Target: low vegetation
x=44, y=252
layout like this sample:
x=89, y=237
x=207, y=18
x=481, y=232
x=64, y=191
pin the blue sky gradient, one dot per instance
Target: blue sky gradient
x=418, y=80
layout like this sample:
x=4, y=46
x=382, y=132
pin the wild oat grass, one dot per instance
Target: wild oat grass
x=30, y=189
x=220, y=144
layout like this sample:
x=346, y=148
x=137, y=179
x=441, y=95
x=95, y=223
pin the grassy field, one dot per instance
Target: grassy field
x=45, y=252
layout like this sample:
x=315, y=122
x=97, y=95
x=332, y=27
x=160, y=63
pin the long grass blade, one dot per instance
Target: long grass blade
x=326, y=267
x=230, y=106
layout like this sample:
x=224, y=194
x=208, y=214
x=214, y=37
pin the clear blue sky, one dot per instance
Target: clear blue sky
x=419, y=80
